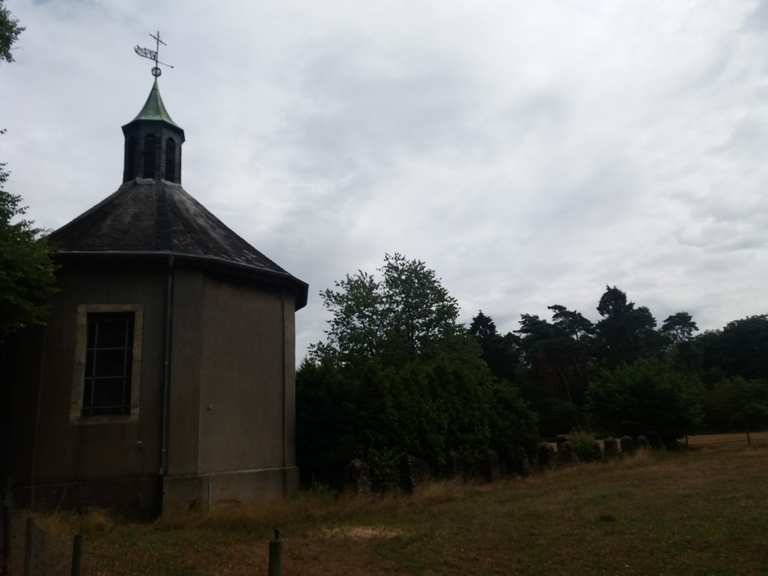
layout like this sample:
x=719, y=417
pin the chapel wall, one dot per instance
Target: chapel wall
x=108, y=461
x=242, y=378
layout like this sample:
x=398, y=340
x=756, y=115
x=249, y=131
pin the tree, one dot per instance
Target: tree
x=26, y=271
x=739, y=349
x=356, y=328
x=572, y=323
x=679, y=327
x=402, y=315
x=397, y=374
x=501, y=353
x=646, y=397
x=483, y=328
x=736, y=404
x=559, y=357
x=9, y=32
x=626, y=333
x=418, y=310
x=752, y=406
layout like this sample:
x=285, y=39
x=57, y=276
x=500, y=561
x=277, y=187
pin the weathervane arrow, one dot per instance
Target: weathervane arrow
x=153, y=54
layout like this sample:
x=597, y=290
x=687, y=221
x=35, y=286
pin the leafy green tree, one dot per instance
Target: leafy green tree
x=625, y=333
x=417, y=309
x=744, y=347
x=752, y=407
x=9, y=32
x=483, y=328
x=501, y=353
x=736, y=404
x=558, y=358
x=646, y=397
x=397, y=374
x=679, y=327
x=26, y=272
x=572, y=323
x=401, y=315
x=678, y=332
x=739, y=349
x=356, y=328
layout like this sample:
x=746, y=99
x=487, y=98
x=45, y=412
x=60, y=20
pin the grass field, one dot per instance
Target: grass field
x=703, y=511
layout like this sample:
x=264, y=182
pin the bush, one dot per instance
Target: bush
x=397, y=374
x=427, y=408
x=646, y=397
x=736, y=404
x=585, y=446
x=384, y=469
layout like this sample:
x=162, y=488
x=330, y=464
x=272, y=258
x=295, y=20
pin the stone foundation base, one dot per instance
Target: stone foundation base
x=208, y=491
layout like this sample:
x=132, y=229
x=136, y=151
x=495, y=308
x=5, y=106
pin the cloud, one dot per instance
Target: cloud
x=531, y=153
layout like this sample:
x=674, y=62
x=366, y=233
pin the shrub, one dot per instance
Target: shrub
x=646, y=397
x=427, y=408
x=398, y=374
x=585, y=446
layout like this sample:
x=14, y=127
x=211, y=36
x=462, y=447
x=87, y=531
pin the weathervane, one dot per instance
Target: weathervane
x=153, y=54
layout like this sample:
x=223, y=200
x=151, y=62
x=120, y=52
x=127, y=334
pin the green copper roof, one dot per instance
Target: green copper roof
x=154, y=109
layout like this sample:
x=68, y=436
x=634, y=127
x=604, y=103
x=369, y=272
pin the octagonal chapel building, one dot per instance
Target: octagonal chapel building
x=164, y=378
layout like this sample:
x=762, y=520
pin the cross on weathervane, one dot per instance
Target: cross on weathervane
x=153, y=54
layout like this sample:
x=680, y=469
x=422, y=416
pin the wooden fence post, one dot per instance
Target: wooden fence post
x=77, y=554
x=5, y=543
x=276, y=555
x=32, y=550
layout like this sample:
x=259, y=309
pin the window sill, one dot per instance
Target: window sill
x=89, y=420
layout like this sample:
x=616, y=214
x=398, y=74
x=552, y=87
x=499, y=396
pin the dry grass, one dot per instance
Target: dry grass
x=698, y=512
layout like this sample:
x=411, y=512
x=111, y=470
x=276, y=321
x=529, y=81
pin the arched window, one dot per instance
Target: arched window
x=150, y=153
x=170, y=160
x=130, y=159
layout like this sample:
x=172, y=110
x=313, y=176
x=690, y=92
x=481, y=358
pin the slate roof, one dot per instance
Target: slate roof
x=147, y=216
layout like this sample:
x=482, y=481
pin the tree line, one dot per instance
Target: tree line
x=397, y=373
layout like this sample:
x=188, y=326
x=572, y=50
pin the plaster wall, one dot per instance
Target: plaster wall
x=243, y=379
x=231, y=411
x=69, y=460
x=232, y=394
x=183, y=417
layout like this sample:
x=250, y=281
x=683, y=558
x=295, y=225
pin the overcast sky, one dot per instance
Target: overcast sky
x=529, y=152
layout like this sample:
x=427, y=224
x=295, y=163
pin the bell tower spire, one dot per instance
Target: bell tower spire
x=152, y=139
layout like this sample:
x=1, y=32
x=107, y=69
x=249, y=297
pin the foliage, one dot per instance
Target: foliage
x=559, y=358
x=426, y=407
x=398, y=375
x=646, y=397
x=503, y=354
x=679, y=327
x=625, y=333
x=739, y=349
x=585, y=446
x=736, y=404
x=396, y=318
x=9, y=32
x=26, y=271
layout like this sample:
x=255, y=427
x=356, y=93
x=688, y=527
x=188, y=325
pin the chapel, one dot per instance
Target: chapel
x=164, y=377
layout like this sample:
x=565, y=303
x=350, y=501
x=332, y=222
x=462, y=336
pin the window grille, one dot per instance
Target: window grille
x=109, y=359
